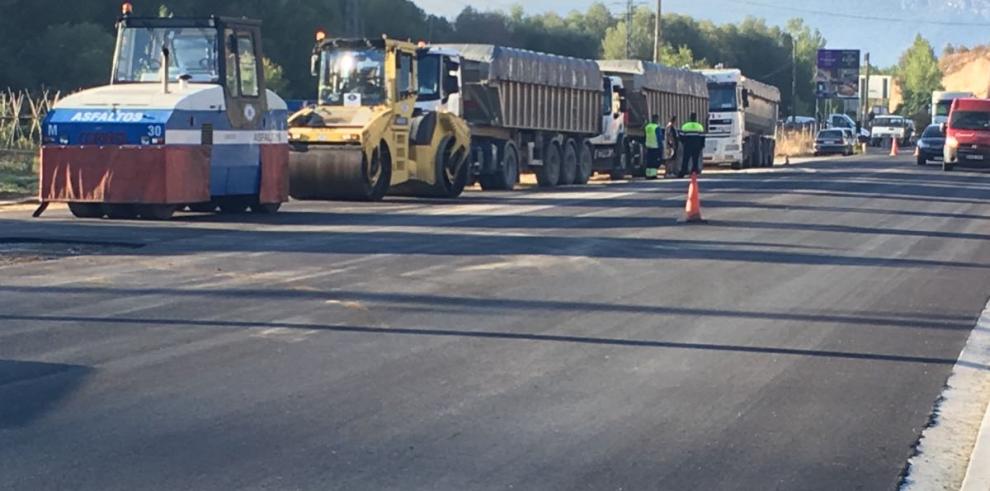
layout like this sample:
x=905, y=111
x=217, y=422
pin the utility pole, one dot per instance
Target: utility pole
x=352, y=18
x=630, y=5
x=793, y=79
x=866, y=89
x=658, y=33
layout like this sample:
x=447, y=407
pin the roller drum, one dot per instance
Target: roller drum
x=334, y=173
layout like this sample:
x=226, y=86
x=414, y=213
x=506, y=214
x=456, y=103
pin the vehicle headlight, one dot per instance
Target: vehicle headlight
x=951, y=142
x=922, y=144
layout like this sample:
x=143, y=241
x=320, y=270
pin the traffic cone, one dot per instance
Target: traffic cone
x=893, y=147
x=692, y=210
x=917, y=151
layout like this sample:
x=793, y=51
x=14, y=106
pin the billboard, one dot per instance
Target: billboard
x=880, y=86
x=838, y=73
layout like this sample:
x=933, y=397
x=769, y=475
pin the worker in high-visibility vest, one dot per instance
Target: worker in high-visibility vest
x=654, y=153
x=693, y=141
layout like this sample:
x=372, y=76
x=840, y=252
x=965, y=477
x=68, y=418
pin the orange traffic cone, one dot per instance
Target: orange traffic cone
x=692, y=211
x=893, y=148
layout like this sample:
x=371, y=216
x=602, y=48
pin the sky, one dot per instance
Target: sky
x=885, y=40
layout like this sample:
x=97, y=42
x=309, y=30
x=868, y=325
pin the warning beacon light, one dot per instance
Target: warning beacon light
x=127, y=8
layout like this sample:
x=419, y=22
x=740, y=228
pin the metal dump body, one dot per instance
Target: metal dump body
x=657, y=89
x=764, y=104
x=518, y=89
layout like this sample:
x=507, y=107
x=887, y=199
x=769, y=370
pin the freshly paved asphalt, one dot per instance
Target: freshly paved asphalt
x=572, y=339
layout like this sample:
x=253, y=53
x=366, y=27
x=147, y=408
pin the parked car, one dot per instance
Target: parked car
x=931, y=145
x=833, y=141
x=967, y=135
x=846, y=122
x=850, y=137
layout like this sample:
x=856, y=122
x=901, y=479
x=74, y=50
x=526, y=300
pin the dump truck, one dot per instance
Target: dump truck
x=187, y=121
x=742, y=124
x=527, y=111
x=645, y=89
x=366, y=137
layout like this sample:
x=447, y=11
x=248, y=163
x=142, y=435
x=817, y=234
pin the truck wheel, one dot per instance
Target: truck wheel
x=585, y=164
x=86, y=210
x=569, y=166
x=549, y=174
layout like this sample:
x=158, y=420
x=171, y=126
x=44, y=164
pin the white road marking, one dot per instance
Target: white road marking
x=950, y=447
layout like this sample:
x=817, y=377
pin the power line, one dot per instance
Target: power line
x=858, y=16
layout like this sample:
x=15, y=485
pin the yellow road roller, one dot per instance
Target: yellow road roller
x=365, y=137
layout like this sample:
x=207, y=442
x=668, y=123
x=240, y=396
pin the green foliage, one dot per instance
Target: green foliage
x=71, y=48
x=919, y=75
x=274, y=76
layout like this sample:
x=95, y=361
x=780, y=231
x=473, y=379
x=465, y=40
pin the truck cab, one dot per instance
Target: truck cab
x=742, y=125
x=942, y=104
x=726, y=118
x=613, y=152
x=439, y=80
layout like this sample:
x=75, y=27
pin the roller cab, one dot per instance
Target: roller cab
x=365, y=137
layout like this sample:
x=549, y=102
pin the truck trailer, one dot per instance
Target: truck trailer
x=187, y=121
x=649, y=89
x=742, y=124
x=526, y=110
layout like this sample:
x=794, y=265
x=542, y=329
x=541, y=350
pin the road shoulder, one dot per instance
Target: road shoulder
x=954, y=451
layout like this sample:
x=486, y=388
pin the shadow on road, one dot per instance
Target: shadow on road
x=497, y=306
x=514, y=336
x=29, y=390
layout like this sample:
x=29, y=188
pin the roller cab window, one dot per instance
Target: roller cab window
x=352, y=77
x=192, y=54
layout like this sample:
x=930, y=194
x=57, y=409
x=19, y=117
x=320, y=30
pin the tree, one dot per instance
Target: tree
x=274, y=76
x=919, y=75
x=680, y=58
x=807, y=42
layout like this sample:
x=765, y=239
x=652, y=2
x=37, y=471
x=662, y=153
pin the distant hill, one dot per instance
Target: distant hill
x=968, y=70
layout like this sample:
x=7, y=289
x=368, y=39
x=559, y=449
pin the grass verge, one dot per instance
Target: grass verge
x=18, y=175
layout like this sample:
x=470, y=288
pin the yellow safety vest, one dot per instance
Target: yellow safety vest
x=692, y=127
x=651, y=135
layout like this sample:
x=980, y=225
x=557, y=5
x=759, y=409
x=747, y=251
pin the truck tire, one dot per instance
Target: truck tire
x=569, y=165
x=548, y=175
x=505, y=178
x=86, y=210
x=585, y=164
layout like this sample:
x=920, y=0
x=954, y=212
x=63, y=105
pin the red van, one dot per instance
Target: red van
x=967, y=134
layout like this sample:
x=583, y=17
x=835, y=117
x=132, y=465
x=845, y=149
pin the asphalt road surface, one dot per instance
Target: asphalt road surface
x=568, y=339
